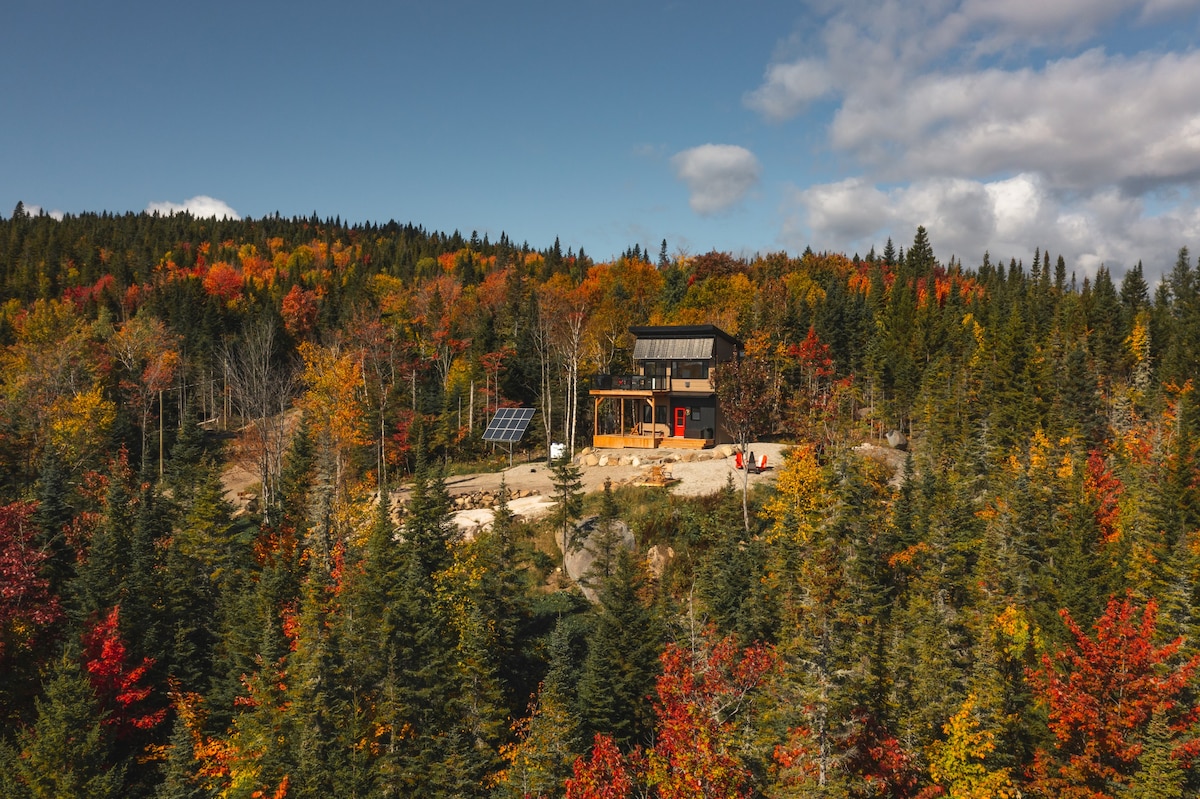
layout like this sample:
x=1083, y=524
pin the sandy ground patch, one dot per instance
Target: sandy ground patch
x=707, y=473
x=696, y=472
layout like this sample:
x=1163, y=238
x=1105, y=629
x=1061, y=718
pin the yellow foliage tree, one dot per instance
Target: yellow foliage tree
x=800, y=498
x=79, y=425
x=332, y=403
x=51, y=362
x=959, y=764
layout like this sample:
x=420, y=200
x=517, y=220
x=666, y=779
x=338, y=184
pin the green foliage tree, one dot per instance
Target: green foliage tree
x=622, y=661
x=67, y=751
x=568, y=506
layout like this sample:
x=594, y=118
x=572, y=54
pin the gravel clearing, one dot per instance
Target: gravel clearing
x=696, y=473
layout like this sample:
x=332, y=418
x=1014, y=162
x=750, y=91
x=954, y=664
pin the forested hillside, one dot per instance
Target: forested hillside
x=1017, y=614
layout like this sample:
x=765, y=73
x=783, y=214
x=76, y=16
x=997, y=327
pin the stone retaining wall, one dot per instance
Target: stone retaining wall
x=480, y=500
x=591, y=457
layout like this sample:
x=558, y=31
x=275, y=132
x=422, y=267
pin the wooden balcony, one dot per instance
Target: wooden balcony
x=629, y=385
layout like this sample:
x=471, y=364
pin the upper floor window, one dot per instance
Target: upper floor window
x=654, y=368
x=690, y=370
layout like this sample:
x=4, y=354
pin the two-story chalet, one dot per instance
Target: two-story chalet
x=668, y=400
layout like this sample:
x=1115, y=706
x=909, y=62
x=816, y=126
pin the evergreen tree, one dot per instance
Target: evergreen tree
x=184, y=468
x=180, y=777
x=143, y=605
x=1159, y=774
x=568, y=506
x=730, y=584
x=53, y=517
x=98, y=586
x=606, y=540
x=548, y=738
x=622, y=662
x=67, y=752
x=1107, y=336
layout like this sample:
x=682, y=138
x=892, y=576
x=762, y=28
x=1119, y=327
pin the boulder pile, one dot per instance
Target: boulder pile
x=592, y=457
x=487, y=500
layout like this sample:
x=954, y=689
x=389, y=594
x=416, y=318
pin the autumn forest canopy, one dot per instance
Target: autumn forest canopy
x=1012, y=612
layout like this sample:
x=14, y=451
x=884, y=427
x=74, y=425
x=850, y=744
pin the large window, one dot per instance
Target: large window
x=690, y=370
x=660, y=410
x=654, y=368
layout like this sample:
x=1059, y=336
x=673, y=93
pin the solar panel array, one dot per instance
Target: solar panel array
x=509, y=424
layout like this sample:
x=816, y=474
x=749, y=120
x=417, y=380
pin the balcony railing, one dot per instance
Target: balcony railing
x=631, y=383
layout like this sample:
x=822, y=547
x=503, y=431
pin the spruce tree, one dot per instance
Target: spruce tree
x=568, y=506
x=67, y=752
x=1159, y=774
x=98, y=586
x=54, y=516
x=180, y=774
x=622, y=662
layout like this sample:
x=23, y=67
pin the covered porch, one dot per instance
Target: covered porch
x=619, y=421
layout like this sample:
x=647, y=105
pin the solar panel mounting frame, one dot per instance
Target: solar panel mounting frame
x=508, y=425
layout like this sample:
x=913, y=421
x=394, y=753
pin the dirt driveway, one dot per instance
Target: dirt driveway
x=699, y=472
x=696, y=473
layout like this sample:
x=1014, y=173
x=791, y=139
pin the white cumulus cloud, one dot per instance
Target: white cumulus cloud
x=200, y=206
x=1007, y=218
x=718, y=176
x=36, y=210
x=999, y=125
x=788, y=88
x=1084, y=122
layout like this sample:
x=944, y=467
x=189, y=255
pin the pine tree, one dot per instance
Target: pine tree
x=606, y=540
x=547, y=738
x=180, y=776
x=53, y=516
x=185, y=466
x=568, y=506
x=618, y=674
x=98, y=586
x=1159, y=774
x=67, y=752
x=142, y=606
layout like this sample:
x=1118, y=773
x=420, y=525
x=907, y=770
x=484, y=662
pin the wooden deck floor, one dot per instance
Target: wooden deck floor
x=648, y=442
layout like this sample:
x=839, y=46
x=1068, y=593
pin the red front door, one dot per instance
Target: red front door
x=680, y=421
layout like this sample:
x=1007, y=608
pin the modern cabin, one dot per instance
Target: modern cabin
x=669, y=399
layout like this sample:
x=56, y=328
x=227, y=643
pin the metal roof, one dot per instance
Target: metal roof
x=672, y=349
x=682, y=331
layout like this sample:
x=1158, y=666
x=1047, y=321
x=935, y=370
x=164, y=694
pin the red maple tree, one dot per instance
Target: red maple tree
x=119, y=686
x=1101, y=693
x=702, y=692
x=606, y=774
x=26, y=604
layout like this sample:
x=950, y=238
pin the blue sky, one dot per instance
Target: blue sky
x=1000, y=125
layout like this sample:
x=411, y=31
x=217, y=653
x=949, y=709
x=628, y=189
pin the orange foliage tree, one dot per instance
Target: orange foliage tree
x=299, y=311
x=223, y=282
x=703, y=695
x=1102, y=694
